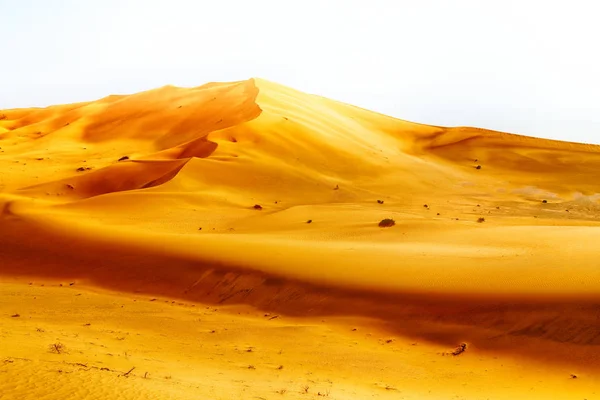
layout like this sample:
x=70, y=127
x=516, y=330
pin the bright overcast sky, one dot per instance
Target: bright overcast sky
x=528, y=66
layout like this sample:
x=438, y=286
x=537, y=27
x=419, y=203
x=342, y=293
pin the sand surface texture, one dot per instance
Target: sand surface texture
x=223, y=242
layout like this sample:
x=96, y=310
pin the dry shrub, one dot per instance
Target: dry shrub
x=57, y=348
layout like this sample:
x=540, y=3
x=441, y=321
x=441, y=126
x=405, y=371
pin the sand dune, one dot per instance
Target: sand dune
x=154, y=195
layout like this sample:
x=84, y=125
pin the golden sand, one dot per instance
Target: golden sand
x=223, y=241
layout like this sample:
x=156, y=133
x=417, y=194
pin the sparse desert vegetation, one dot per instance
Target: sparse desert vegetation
x=57, y=348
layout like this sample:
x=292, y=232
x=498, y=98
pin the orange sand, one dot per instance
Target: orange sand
x=521, y=288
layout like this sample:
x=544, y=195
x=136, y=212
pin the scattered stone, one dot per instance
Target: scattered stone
x=386, y=223
x=460, y=349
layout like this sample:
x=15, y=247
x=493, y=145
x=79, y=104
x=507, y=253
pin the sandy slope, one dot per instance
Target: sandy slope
x=182, y=350
x=177, y=219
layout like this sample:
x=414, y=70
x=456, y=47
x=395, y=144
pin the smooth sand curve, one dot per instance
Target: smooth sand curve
x=154, y=195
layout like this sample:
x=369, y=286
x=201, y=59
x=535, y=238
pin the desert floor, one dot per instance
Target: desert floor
x=222, y=242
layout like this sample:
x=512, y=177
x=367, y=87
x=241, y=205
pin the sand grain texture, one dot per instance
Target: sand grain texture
x=146, y=248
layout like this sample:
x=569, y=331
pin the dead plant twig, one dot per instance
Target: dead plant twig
x=126, y=374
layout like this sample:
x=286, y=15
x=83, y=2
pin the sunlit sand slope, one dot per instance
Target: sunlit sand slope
x=251, y=193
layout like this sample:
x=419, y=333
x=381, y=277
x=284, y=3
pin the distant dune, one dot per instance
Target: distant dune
x=251, y=193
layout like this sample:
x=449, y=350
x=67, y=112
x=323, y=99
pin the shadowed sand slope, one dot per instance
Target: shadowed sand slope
x=251, y=193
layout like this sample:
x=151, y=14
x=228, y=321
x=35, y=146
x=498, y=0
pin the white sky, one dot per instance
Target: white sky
x=530, y=67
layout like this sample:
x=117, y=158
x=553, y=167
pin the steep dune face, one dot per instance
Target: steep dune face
x=166, y=123
x=128, y=175
x=560, y=168
x=159, y=193
x=278, y=136
x=221, y=148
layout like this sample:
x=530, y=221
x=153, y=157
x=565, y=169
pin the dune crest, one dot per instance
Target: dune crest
x=251, y=193
x=312, y=140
